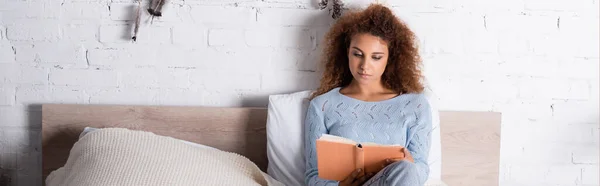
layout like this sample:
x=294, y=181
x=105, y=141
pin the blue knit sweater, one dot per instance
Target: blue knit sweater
x=403, y=120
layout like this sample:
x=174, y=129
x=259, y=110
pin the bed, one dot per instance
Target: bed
x=470, y=140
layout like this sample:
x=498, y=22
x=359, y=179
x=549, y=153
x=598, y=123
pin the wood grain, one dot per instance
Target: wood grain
x=470, y=148
x=239, y=130
x=470, y=140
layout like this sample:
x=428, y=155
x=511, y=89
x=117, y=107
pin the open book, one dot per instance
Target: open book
x=337, y=157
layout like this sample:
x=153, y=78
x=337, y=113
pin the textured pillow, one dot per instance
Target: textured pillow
x=285, y=121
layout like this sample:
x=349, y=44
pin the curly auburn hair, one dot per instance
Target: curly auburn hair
x=402, y=73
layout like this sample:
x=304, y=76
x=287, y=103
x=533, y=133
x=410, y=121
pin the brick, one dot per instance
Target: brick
x=219, y=15
x=115, y=57
x=320, y=33
x=462, y=89
x=22, y=140
x=28, y=163
x=116, y=33
x=88, y=11
x=479, y=41
x=31, y=10
x=61, y=53
x=30, y=178
x=587, y=154
x=81, y=32
x=181, y=97
x=190, y=36
x=123, y=11
x=23, y=74
x=545, y=44
x=294, y=59
x=225, y=37
x=534, y=153
x=293, y=17
x=476, y=6
x=50, y=94
x=7, y=95
x=301, y=38
x=581, y=35
x=289, y=81
x=7, y=52
x=130, y=96
x=222, y=99
x=553, y=5
x=34, y=31
x=140, y=77
x=544, y=88
x=563, y=174
x=19, y=117
x=537, y=66
x=434, y=42
x=211, y=80
x=2, y=30
x=531, y=110
x=501, y=22
x=576, y=112
x=589, y=174
x=180, y=57
x=550, y=175
x=431, y=6
x=579, y=68
x=8, y=159
x=76, y=77
x=251, y=59
x=150, y=35
x=475, y=66
x=152, y=77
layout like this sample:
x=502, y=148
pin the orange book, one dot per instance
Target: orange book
x=337, y=157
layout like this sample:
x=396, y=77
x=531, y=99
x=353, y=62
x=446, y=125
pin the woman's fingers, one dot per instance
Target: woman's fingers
x=360, y=180
x=407, y=155
x=350, y=179
x=392, y=160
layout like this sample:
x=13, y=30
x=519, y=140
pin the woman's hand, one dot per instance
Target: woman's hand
x=354, y=179
x=407, y=156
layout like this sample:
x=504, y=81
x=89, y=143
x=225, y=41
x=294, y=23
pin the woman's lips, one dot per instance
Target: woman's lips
x=363, y=75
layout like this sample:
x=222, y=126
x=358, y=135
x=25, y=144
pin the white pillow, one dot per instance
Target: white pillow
x=285, y=128
x=285, y=151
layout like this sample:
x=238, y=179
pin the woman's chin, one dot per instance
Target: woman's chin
x=363, y=80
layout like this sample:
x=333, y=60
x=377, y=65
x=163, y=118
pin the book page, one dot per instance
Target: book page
x=332, y=138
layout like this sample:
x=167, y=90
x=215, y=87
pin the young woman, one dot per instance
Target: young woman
x=371, y=92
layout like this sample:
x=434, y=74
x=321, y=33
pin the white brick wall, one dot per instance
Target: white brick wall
x=536, y=61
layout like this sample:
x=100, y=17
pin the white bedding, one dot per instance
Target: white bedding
x=125, y=157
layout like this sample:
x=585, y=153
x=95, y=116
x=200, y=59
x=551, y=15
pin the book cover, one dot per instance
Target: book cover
x=337, y=157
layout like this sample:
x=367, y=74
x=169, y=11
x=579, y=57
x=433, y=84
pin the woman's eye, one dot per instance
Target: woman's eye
x=377, y=57
x=357, y=54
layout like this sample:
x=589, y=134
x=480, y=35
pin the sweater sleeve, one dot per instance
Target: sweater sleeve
x=419, y=141
x=314, y=127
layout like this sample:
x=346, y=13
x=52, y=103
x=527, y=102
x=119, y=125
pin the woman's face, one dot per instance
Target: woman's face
x=368, y=57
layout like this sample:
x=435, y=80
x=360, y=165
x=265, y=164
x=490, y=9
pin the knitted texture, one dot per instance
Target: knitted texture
x=127, y=157
x=403, y=120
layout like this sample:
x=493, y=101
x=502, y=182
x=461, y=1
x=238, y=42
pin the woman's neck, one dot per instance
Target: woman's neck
x=367, y=89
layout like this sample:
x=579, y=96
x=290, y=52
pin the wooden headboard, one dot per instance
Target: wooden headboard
x=470, y=140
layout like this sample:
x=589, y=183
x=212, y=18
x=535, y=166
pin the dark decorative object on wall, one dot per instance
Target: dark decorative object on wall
x=138, y=15
x=156, y=7
x=337, y=7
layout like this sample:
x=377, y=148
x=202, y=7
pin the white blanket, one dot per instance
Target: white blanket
x=126, y=157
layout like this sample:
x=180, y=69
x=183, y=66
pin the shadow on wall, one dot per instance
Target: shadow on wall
x=6, y=176
x=308, y=71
